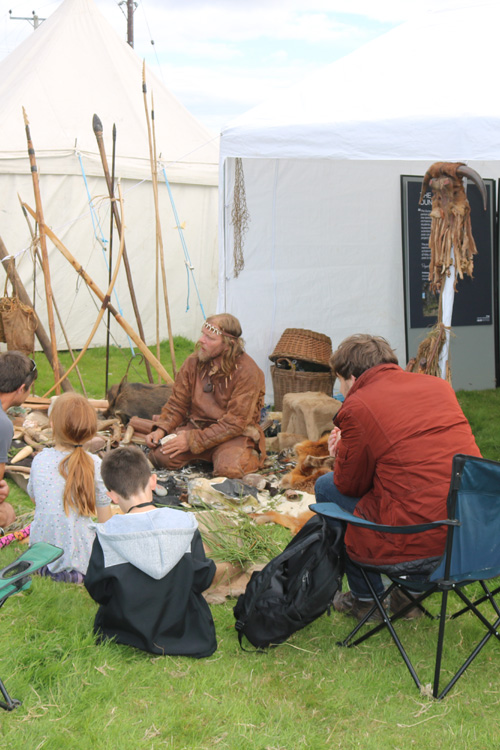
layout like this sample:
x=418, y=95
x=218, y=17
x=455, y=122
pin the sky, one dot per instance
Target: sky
x=220, y=58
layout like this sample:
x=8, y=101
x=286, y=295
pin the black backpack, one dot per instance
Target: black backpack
x=294, y=588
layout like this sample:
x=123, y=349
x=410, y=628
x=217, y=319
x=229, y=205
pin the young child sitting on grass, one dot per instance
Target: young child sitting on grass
x=148, y=567
x=65, y=485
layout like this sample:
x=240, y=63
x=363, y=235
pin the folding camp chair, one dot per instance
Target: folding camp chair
x=17, y=577
x=472, y=555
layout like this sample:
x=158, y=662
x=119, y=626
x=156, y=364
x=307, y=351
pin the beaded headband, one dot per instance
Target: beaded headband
x=213, y=329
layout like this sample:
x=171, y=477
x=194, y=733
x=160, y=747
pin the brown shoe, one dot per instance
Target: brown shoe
x=348, y=604
x=400, y=600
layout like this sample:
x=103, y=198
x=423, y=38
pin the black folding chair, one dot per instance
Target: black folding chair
x=16, y=577
x=472, y=555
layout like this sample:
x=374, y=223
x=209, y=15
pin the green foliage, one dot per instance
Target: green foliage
x=92, y=366
x=243, y=543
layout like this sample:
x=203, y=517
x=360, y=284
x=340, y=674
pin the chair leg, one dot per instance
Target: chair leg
x=440, y=641
x=464, y=665
x=10, y=703
x=386, y=622
x=492, y=629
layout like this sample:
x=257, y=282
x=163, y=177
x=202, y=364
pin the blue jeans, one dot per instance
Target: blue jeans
x=326, y=492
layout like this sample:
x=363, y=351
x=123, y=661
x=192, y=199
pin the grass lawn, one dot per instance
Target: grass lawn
x=93, y=367
x=307, y=693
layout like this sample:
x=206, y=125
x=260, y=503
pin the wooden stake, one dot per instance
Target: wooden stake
x=159, y=238
x=56, y=309
x=104, y=301
x=43, y=248
x=119, y=319
x=97, y=126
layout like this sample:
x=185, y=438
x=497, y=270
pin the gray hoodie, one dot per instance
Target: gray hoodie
x=153, y=541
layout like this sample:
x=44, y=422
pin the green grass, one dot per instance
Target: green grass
x=93, y=368
x=482, y=409
x=307, y=693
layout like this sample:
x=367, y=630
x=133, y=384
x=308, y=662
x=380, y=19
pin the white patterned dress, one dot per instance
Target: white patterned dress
x=51, y=524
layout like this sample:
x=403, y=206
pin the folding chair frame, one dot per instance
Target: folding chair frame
x=444, y=584
x=16, y=577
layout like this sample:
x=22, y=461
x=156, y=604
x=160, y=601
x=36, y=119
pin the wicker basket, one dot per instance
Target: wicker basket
x=291, y=381
x=299, y=343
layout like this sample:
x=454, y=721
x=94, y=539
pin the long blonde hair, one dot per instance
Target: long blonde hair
x=74, y=421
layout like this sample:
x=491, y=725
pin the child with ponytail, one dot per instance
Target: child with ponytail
x=66, y=486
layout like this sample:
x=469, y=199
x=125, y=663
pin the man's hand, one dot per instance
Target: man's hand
x=333, y=441
x=153, y=439
x=175, y=446
x=4, y=490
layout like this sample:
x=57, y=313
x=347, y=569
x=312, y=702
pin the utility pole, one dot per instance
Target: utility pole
x=131, y=6
x=35, y=19
x=130, y=22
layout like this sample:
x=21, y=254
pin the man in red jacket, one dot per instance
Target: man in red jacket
x=393, y=441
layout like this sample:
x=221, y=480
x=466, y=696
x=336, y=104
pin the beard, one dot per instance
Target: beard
x=202, y=357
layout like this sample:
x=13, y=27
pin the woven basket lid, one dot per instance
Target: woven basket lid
x=300, y=343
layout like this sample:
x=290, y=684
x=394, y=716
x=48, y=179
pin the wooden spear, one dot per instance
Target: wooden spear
x=97, y=127
x=110, y=256
x=43, y=248
x=159, y=238
x=119, y=319
x=104, y=301
x=23, y=295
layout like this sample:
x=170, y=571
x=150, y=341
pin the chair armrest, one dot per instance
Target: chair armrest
x=332, y=510
x=17, y=575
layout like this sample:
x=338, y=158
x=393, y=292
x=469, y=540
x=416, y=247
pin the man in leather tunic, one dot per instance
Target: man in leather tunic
x=213, y=413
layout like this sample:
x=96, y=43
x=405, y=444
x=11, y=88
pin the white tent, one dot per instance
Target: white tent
x=72, y=66
x=322, y=165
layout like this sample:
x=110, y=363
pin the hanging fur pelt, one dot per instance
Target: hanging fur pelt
x=451, y=226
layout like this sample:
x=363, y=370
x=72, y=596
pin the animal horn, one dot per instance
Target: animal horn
x=465, y=171
x=425, y=185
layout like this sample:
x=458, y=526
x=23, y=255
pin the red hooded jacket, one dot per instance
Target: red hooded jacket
x=400, y=432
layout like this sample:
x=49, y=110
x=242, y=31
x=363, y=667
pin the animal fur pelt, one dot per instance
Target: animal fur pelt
x=313, y=460
x=294, y=523
x=451, y=226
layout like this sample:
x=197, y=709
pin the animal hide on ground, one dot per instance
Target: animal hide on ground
x=144, y=400
x=313, y=460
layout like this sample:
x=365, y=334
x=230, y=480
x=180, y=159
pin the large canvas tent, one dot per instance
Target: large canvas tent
x=322, y=162
x=72, y=66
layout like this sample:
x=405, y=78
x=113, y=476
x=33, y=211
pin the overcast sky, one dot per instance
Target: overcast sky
x=222, y=57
